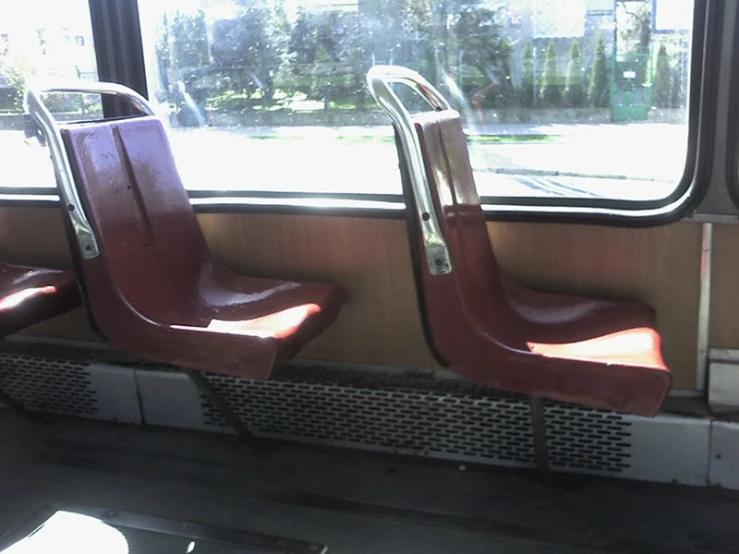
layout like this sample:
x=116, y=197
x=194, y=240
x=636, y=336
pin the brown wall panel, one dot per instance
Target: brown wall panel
x=725, y=289
x=33, y=237
x=36, y=237
x=379, y=323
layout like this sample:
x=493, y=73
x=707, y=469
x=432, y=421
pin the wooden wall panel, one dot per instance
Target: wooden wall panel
x=379, y=323
x=33, y=237
x=36, y=237
x=725, y=287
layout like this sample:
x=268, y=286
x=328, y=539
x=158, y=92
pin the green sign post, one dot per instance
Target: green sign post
x=631, y=92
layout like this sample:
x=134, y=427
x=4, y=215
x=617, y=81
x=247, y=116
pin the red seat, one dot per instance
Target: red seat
x=155, y=289
x=30, y=295
x=598, y=353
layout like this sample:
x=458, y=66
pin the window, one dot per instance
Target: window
x=582, y=99
x=565, y=103
x=35, y=44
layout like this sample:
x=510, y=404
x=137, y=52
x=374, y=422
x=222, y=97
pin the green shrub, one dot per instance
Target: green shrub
x=574, y=92
x=662, y=79
x=507, y=95
x=528, y=87
x=357, y=87
x=598, y=90
x=551, y=90
x=677, y=96
x=11, y=98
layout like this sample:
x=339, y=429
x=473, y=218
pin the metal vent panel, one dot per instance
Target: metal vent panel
x=587, y=439
x=481, y=427
x=418, y=413
x=53, y=385
x=404, y=421
x=68, y=380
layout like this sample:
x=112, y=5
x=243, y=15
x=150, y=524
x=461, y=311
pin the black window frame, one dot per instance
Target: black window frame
x=732, y=132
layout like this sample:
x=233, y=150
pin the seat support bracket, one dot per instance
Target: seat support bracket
x=233, y=420
x=539, y=428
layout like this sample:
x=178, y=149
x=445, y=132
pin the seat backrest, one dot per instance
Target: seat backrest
x=151, y=245
x=481, y=296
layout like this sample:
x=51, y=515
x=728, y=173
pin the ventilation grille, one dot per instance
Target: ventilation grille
x=480, y=428
x=53, y=385
x=586, y=439
x=407, y=413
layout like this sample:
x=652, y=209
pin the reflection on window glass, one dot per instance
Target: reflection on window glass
x=79, y=533
x=137, y=534
x=575, y=98
x=47, y=39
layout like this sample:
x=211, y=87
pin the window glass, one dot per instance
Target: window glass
x=574, y=98
x=45, y=40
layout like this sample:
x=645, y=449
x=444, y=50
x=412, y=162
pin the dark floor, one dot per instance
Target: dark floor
x=352, y=501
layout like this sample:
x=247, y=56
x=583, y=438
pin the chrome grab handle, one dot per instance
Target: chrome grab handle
x=379, y=79
x=37, y=109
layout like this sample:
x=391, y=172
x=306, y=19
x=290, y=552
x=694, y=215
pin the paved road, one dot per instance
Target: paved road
x=634, y=161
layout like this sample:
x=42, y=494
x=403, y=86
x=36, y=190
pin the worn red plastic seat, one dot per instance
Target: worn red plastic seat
x=29, y=295
x=154, y=289
x=487, y=328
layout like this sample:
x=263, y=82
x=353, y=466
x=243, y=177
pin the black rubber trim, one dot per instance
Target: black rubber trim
x=278, y=210
x=279, y=195
x=30, y=191
x=50, y=200
x=732, y=134
x=289, y=203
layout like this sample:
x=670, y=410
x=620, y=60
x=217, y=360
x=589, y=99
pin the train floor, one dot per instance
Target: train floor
x=351, y=502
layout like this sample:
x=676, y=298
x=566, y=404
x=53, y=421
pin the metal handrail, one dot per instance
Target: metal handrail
x=37, y=109
x=379, y=79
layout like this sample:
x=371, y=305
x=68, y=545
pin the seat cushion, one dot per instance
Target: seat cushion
x=640, y=347
x=30, y=295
